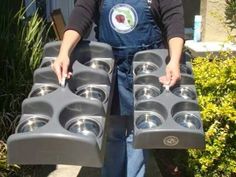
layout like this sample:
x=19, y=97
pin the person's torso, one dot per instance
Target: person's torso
x=128, y=25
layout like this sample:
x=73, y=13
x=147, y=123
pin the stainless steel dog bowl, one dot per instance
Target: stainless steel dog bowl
x=185, y=69
x=31, y=124
x=44, y=90
x=184, y=92
x=147, y=92
x=83, y=126
x=48, y=63
x=187, y=120
x=98, y=64
x=148, y=120
x=145, y=68
x=91, y=92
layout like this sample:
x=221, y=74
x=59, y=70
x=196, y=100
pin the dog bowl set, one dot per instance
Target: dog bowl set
x=66, y=125
x=164, y=118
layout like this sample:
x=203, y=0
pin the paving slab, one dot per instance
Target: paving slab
x=65, y=171
x=78, y=171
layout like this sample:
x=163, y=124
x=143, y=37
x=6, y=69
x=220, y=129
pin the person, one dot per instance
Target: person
x=129, y=26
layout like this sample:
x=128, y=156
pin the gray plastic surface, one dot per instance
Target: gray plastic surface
x=52, y=115
x=154, y=114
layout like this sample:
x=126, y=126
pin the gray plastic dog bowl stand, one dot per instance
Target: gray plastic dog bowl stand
x=66, y=125
x=165, y=119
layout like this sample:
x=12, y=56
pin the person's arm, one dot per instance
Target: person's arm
x=60, y=66
x=79, y=23
x=172, y=19
x=172, y=68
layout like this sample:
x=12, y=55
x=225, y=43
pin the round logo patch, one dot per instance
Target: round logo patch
x=123, y=18
x=171, y=140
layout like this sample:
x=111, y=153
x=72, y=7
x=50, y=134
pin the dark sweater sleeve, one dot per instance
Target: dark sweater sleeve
x=82, y=16
x=172, y=18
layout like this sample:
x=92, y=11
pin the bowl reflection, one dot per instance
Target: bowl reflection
x=148, y=120
x=185, y=69
x=48, y=63
x=184, y=92
x=31, y=124
x=187, y=120
x=43, y=90
x=83, y=126
x=98, y=64
x=147, y=92
x=145, y=68
x=91, y=92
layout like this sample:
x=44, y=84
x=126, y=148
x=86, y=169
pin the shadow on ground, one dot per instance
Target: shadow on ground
x=35, y=171
x=76, y=171
x=152, y=170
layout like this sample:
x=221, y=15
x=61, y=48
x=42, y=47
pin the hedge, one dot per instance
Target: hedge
x=215, y=80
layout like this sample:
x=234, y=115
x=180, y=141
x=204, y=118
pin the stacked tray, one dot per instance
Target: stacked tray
x=66, y=125
x=164, y=118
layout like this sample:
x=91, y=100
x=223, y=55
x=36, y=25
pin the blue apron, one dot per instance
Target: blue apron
x=128, y=26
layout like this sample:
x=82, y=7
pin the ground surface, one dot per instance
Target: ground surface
x=78, y=171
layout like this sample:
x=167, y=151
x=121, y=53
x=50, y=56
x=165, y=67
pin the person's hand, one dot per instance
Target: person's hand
x=172, y=74
x=60, y=67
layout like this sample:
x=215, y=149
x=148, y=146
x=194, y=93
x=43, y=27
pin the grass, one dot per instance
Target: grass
x=21, y=45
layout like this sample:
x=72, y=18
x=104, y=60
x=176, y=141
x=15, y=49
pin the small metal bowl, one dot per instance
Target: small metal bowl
x=145, y=68
x=147, y=92
x=84, y=126
x=148, y=120
x=185, y=69
x=44, y=90
x=91, y=92
x=185, y=93
x=187, y=120
x=98, y=64
x=47, y=63
x=31, y=124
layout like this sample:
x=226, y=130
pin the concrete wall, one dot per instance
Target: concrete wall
x=214, y=28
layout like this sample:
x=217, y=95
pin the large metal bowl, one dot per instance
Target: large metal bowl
x=147, y=121
x=43, y=90
x=31, y=124
x=185, y=69
x=98, y=64
x=84, y=126
x=187, y=120
x=147, y=92
x=47, y=63
x=145, y=68
x=184, y=92
x=92, y=92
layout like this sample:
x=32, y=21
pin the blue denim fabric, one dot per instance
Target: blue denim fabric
x=121, y=159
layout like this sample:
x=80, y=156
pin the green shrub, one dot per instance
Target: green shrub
x=5, y=169
x=215, y=80
x=21, y=46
